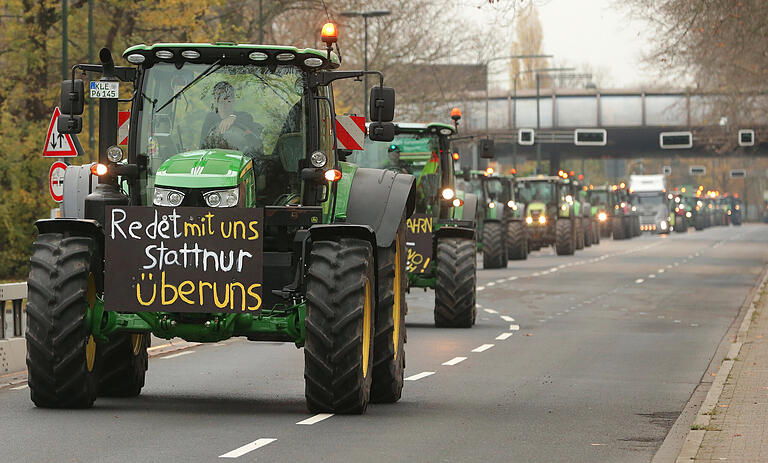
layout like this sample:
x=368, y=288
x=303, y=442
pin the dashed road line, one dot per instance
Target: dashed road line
x=639, y=280
x=511, y=278
x=514, y=327
x=247, y=448
x=503, y=336
x=482, y=348
x=507, y=318
x=480, y=288
x=454, y=361
x=18, y=388
x=315, y=419
x=490, y=311
x=419, y=376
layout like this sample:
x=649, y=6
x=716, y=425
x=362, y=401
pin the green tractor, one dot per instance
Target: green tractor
x=441, y=234
x=601, y=199
x=592, y=234
x=550, y=213
x=233, y=214
x=625, y=223
x=503, y=234
x=679, y=212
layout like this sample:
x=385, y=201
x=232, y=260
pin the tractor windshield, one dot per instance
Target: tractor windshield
x=537, y=192
x=598, y=197
x=255, y=110
x=494, y=189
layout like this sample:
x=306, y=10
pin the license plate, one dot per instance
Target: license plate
x=102, y=89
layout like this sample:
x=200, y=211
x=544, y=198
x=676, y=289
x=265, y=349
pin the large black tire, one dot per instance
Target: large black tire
x=595, y=232
x=617, y=227
x=456, y=283
x=699, y=222
x=61, y=354
x=338, y=353
x=587, y=232
x=578, y=230
x=494, y=245
x=517, y=240
x=681, y=226
x=564, y=240
x=121, y=364
x=389, y=340
x=636, y=226
x=606, y=230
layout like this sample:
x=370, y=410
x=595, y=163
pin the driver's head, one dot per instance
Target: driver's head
x=223, y=97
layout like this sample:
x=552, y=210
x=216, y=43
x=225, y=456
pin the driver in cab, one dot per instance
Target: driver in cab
x=229, y=129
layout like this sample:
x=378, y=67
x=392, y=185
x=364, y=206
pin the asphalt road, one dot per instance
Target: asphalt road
x=583, y=358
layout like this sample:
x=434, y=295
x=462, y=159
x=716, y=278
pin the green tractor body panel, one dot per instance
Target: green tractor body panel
x=203, y=169
x=343, y=188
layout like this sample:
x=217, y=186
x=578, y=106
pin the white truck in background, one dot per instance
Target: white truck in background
x=649, y=193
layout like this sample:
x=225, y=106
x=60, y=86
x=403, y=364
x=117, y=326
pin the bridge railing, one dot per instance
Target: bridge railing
x=15, y=293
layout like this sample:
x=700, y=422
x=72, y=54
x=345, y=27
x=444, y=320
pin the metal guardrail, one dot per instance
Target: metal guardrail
x=14, y=292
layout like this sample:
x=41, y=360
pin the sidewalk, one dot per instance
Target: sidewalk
x=738, y=419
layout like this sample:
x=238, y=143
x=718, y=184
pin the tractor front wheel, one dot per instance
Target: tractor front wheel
x=564, y=240
x=338, y=352
x=456, y=283
x=617, y=226
x=61, y=353
x=389, y=340
x=517, y=241
x=494, y=246
x=587, y=232
x=579, y=232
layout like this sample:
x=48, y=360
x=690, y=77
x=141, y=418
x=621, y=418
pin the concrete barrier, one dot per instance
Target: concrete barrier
x=13, y=351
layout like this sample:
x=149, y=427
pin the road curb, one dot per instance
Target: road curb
x=695, y=437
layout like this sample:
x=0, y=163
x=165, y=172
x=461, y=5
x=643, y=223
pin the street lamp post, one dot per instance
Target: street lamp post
x=487, y=78
x=365, y=15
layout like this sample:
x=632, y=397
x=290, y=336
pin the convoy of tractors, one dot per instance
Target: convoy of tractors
x=238, y=208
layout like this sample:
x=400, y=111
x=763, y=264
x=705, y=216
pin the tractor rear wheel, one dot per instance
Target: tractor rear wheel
x=389, y=338
x=595, y=232
x=564, y=241
x=455, y=287
x=61, y=353
x=494, y=246
x=122, y=364
x=338, y=352
x=579, y=232
x=587, y=232
x=617, y=227
x=681, y=226
x=517, y=241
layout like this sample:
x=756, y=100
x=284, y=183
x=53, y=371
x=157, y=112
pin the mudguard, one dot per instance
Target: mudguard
x=454, y=232
x=79, y=182
x=470, y=207
x=77, y=227
x=379, y=199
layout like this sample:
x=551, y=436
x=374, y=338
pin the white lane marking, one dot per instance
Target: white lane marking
x=639, y=280
x=553, y=269
x=490, y=283
x=507, y=318
x=694, y=324
x=479, y=306
x=511, y=278
x=178, y=355
x=503, y=336
x=18, y=388
x=561, y=266
x=535, y=274
x=661, y=270
x=676, y=264
x=514, y=327
x=454, y=361
x=669, y=266
x=542, y=320
x=480, y=288
x=652, y=275
x=559, y=313
x=501, y=281
x=316, y=419
x=417, y=377
x=677, y=321
x=490, y=310
x=482, y=348
x=545, y=272
x=238, y=452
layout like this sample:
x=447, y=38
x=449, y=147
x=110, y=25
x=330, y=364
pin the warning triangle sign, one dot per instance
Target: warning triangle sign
x=58, y=145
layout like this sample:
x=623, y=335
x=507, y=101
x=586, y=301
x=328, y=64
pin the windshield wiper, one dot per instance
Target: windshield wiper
x=205, y=73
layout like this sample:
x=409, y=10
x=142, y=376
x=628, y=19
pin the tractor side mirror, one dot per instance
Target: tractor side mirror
x=381, y=131
x=466, y=174
x=382, y=104
x=69, y=124
x=72, y=97
x=486, y=148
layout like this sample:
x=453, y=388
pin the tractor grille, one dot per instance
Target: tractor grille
x=535, y=214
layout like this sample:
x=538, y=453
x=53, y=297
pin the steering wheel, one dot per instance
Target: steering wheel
x=239, y=137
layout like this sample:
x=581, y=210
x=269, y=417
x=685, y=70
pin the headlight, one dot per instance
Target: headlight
x=682, y=207
x=564, y=207
x=569, y=198
x=602, y=217
x=688, y=214
x=542, y=219
x=529, y=220
x=512, y=205
x=318, y=159
x=448, y=194
x=729, y=212
x=623, y=204
x=492, y=205
x=663, y=225
x=167, y=197
x=222, y=198
x=737, y=207
x=634, y=209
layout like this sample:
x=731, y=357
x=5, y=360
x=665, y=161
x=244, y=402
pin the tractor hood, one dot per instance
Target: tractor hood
x=203, y=169
x=536, y=206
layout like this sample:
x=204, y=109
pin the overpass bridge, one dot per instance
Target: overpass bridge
x=633, y=121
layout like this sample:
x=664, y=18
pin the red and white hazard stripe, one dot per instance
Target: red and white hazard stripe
x=350, y=132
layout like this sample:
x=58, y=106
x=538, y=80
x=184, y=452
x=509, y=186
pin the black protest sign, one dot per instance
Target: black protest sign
x=185, y=259
x=418, y=242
